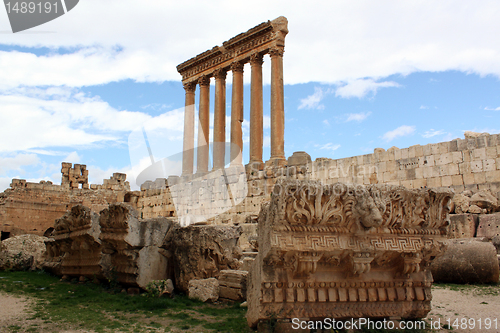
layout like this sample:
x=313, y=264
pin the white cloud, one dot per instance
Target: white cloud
x=361, y=87
x=17, y=161
x=492, y=109
x=326, y=122
x=432, y=132
x=328, y=146
x=359, y=117
x=66, y=118
x=336, y=41
x=73, y=157
x=423, y=107
x=400, y=131
x=313, y=101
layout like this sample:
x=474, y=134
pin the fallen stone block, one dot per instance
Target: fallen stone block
x=202, y=251
x=484, y=200
x=463, y=225
x=467, y=261
x=76, y=248
x=133, y=246
x=206, y=290
x=346, y=251
x=22, y=252
x=233, y=284
x=489, y=225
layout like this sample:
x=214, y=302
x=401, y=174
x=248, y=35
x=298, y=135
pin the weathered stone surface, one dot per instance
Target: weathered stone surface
x=473, y=209
x=299, y=158
x=233, y=284
x=467, y=261
x=202, y=251
x=489, y=225
x=484, y=200
x=463, y=225
x=133, y=245
x=206, y=290
x=76, y=249
x=22, y=252
x=462, y=203
x=342, y=251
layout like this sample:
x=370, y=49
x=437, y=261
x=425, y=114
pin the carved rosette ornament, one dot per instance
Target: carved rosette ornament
x=347, y=251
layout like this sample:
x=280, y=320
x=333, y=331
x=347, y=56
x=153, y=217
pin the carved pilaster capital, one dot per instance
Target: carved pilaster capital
x=204, y=80
x=276, y=51
x=256, y=59
x=190, y=87
x=237, y=66
x=220, y=74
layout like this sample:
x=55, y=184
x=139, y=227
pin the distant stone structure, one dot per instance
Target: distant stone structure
x=33, y=207
x=74, y=176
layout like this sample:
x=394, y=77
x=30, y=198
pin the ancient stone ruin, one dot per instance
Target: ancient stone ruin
x=344, y=251
x=344, y=238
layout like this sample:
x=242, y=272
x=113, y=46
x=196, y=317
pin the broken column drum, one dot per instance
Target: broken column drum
x=345, y=251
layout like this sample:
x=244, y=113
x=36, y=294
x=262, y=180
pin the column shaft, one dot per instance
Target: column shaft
x=237, y=114
x=277, y=105
x=256, y=111
x=188, y=143
x=203, y=125
x=219, y=119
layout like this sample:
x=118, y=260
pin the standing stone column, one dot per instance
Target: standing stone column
x=256, y=113
x=203, y=125
x=219, y=118
x=188, y=144
x=237, y=114
x=277, y=108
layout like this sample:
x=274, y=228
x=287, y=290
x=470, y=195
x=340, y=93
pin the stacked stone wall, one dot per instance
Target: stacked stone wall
x=472, y=164
x=33, y=207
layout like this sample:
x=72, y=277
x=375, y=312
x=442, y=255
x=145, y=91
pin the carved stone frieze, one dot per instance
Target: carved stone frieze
x=262, y=38
x=76, y=249
x=131, y=245
x=346, y=250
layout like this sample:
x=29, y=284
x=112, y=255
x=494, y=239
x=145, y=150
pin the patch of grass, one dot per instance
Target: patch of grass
x=104, y=309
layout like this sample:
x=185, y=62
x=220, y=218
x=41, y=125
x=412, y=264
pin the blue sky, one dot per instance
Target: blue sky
x=359, y=75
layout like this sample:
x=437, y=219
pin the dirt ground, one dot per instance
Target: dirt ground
x=471, y=304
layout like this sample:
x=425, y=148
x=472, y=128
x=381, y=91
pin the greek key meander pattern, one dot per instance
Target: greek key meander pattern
x=317, y=242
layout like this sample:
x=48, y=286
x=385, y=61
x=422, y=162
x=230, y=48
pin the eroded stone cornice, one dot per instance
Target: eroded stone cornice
x=259, y=39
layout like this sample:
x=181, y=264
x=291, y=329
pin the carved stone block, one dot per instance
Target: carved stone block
x=346, y=251
x=132, y=245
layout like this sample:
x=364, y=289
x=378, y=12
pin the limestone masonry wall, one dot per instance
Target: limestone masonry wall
x=472, y=164
x=33, y=207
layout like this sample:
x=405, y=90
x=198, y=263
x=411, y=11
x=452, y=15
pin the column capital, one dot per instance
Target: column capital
x=237, y=66
x=220, y=74
x=256, y=59
x=204, y=80
x=190, y=87
x=276, y=51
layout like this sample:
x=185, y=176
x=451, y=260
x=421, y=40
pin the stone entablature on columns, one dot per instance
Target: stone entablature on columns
x=250, y=46
x=259, y=39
